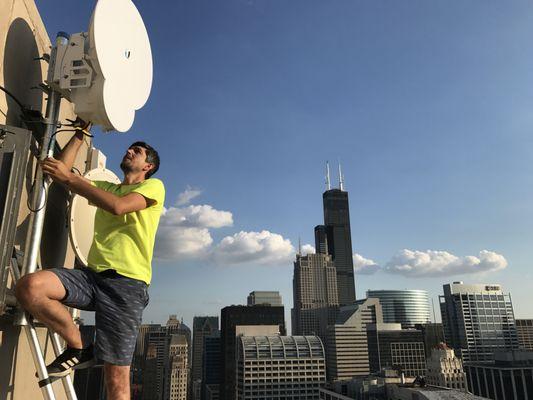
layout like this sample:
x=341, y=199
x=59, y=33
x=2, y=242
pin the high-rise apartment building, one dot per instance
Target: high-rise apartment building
x=346, y=345
x=445, y=369
x=524, y=330
x=231, y=317
x=477, y=320
x=315, y=295
x=280, y=367
x=391, y=347
x=266, y=298
x=177, y=375
x=339, y=241
x=406, y=307
x=202, y=328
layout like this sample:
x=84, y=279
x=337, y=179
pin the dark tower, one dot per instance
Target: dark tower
x=321, y=239
x=339, y=239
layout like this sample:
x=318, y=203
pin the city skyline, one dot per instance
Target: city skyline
x=431, y=125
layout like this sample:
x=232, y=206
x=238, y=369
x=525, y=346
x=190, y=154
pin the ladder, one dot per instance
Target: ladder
x=26, y=321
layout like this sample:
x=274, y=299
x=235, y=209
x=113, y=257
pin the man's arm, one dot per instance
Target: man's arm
x=70, y=151
x=109, y=202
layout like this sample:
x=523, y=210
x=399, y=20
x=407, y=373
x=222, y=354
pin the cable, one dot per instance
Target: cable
x=30, y=193
x=76, y=129
x=76, y=170
x=13, y=97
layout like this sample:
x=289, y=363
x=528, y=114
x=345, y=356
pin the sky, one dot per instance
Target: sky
x=428, y=106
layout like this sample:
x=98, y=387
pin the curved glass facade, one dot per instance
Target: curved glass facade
x=407, y=307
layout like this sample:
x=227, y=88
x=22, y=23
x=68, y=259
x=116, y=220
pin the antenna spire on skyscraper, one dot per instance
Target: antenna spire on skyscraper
x=328, y=184
x=341, y=178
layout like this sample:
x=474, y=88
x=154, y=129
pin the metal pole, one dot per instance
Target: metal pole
x=66, y=380
x=33, y=342
x=38, y=359
x=40, y=189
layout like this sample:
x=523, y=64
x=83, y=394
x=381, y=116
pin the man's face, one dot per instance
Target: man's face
x=135, y=160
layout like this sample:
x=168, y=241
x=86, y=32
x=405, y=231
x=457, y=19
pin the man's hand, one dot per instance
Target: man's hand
x=57, y=170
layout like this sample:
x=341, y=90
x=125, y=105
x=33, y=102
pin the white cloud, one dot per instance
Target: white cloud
x=415, y=264
x=364, y=266
x=186, y=196
x=255, y=248
x=177, y=242
x=197, y=216
x=184, y=231
x=308, y=249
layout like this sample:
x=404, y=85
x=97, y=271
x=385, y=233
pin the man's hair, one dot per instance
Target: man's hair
x=151, y=157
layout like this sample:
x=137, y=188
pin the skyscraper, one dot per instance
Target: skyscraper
x=347, y=346
x=315, y=295
x=155, y=365
x=212, y=365
x=231, y=317
x=406, y=307
x=177, y=373
x=321, y=239
x=177, y=327
x=339, y=239
x=139, y=357
x=202, y=327
x=262, y=297
x=477, y=320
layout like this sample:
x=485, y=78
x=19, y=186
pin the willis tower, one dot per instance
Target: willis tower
x=334, y=237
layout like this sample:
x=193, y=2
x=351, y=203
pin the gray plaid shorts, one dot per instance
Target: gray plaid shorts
x=118, y=302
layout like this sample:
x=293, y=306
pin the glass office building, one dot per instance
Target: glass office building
x=477, y=320
x=406, y=307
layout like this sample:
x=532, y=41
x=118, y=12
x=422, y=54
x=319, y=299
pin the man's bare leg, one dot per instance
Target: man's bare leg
x=117, y=381
x=40, y=294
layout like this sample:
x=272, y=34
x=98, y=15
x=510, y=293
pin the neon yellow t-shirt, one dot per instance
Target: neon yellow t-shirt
x=125, y=243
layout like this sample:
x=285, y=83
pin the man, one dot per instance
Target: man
x=115, y=283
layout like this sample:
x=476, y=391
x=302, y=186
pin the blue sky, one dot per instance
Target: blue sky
x=428, y=106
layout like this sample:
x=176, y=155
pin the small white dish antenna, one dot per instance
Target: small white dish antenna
x=81, y=226
x=107, y=72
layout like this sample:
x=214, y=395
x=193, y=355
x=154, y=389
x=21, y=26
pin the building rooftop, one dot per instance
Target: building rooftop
x=440, y=393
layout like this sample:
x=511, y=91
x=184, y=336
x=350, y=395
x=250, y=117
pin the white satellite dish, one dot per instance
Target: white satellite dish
x=107, y=72
x=81, y=226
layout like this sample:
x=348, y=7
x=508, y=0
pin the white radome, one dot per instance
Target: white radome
x=81, y=226
x=120, y=54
